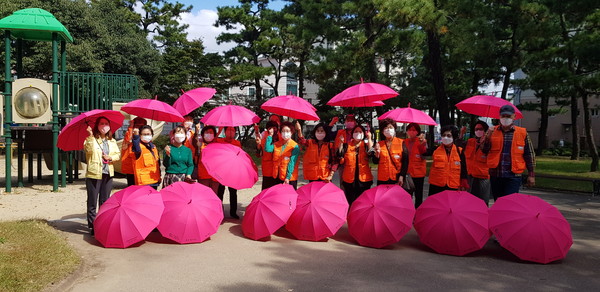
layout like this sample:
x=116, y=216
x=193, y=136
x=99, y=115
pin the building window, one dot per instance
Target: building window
x=595, y=112
x=252, y=92
x=291, y=89
x=268, y=92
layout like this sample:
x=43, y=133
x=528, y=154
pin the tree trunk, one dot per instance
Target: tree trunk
x=542, y=141
x=257, y=81
x=301, y=74
x=437, y=76
x=589, y=133
x=574, y=128
x=431, y=136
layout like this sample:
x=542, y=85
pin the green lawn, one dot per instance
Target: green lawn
x=563, y=166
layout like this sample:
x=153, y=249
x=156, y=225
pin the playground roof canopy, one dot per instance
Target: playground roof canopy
x=35, y=24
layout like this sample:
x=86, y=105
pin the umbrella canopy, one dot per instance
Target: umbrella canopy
x=291, y=106
x=408, y=115
x=530, y=228
x=381, y=216
x=230, y=165
x=152, y=109
x=453, y=222
x=74, y=133
x=128, y=216
x=269, y=211
x=486, y=106
x=321, y=210
x=359, y=103
x=230, y=116
x=193, y=99
x=193, y=212
x=363, y=93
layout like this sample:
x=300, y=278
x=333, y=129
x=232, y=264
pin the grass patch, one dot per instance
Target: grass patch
x=563, y=166
x=33, y=255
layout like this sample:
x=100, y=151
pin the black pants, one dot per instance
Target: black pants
x=433, y=189
x=355, y=189
x=419, y=181
x=387, y=182
x=98, y=191
x=232, y=198
x=130, y=179
x=292, y=183
x=268, y=182
x=480, y=187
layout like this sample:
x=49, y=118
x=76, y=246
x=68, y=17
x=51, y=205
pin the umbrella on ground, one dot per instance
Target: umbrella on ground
x=453, y=222
x=128, y=216
x=408, y=115
x=269, y=211
x=486, y=106
x=230, y=116
x=74, y=133
x=193, y=212
x=229, y=165
x=321, y=210
x=152, y=109
x=291, y=106
x=530, y=228
x=193, y=99
x=363, y=93
x=381, y=216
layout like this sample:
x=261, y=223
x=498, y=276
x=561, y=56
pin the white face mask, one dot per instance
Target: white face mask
x=286, y=135
x=208, y=137
x=478, y=133
x=506, y=121
x=358, y=136
x=389, y=133
x=104, y=129
x=447, y=140
x=411, y=133
x=179, y=137
x=320, y=136
x=188, y=124
x=349, y=125
x=146, y=138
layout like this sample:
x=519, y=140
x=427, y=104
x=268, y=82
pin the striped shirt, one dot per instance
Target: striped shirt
x=504, y=168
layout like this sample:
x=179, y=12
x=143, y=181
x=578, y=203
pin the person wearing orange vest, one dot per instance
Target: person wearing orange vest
x=285, y=156
x=267, y=158
x=207, y=134
x=391, y=155
x=189, y=132
x=319, y=163
x=342, y=135
x=147, y=162
x=230, y=133
x=128, y=160
x=509, y=153
x=448, y=170
x=356, y=176
x=479, y=172
x=416, y=145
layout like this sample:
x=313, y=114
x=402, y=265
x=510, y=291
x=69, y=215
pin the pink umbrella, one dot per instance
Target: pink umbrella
x=268, y=211
x=359, y=103
x=192, y=212
x=74, y=133
x=530, y=228
x=320, y=211
x=291, y=106
x=381, y=216
x=363, y=93
x=152, y=109
x=193, y=99
x=486, y=106
x=128, y=216
x=408, y=115
x=230, y=116
x=230, y=165
x=453, y=222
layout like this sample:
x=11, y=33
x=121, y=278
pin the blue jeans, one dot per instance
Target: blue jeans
x=503, y=186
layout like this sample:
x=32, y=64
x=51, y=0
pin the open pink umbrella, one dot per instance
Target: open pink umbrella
x=381, y=216
x=73, y=135
x=128, y=216
x=193, y=212
x=230, y=165
x=269, y=211
x=359, y=103
x=193, y=99
x=291, y=106
x=408, y=115
x=530, y=228
x=152, y=109
x=230, y=116
x=363, y=93
x=453, y=222
x=486, y=106
x=321, y=210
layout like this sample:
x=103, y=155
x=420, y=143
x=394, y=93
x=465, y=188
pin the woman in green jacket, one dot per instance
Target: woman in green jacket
x=177, y=159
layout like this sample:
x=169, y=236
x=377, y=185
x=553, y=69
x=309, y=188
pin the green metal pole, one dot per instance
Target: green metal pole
x=55, y=129
x=7, y=108
x=20, y=58
x=63, y=65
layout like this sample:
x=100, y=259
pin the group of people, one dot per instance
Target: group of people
x=490, y=163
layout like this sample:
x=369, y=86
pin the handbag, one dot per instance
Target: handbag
x=409, y=184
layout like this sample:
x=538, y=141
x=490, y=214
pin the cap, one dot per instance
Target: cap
x=507, y=109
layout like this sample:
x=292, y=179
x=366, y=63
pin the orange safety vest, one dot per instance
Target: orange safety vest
x=147, y=169
x=517, y=149
x=233, y=142
x=417, y=165
x=127, y=160
x=476, y=160
x=267, y=160
x=445, y=170
x=316, y=161
x=349, y=161
x=202, y=173
x=338, y=139
x=388, y=169
x=281, y=159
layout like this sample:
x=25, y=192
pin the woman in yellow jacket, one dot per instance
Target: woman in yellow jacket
x=356, y=176
x=391, y=155
x=146, y=160
x=101, y=151
x=448, y=170
x=319, y=163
